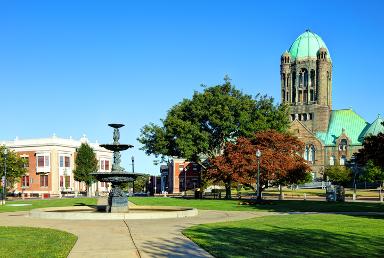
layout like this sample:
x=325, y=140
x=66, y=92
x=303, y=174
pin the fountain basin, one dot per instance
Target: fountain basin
x=93, y=213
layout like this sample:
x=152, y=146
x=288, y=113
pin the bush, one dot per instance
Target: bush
x=339, y=175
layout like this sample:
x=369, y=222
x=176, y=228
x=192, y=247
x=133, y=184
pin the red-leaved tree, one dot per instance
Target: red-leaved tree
x=280, y=162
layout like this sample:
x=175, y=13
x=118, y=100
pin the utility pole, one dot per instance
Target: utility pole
x=133, y=171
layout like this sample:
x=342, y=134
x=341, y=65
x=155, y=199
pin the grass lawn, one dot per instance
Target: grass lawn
x=46, y=203
x=35, y=242
x=282, y=206
x=293, y=236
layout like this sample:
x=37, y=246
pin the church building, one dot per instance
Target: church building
x=331, y=137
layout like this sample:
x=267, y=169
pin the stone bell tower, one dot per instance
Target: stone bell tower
x=306, y=81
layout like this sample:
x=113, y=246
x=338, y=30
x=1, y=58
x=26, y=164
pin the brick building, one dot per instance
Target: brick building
x=331, y=136
x=50, y=163
x=179, y=175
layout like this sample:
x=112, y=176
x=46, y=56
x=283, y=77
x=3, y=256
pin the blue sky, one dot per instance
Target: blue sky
x=71, y=67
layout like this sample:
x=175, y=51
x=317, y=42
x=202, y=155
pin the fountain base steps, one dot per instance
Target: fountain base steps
x=96, y=213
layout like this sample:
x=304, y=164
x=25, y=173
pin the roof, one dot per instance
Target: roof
x=306, y=46
x=375, y=128
x=345, y=119
x=53, y=141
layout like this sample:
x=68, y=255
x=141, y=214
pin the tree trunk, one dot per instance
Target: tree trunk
x=281, y=197
x=228, y=185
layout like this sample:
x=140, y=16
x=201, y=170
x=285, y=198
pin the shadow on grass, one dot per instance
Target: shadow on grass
x=172, y=247
x=314, y=206
x=82, y=204
x=284, y=242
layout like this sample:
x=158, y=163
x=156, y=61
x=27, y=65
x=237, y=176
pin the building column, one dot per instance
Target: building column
x=290, y=89
x=297, y=88
x=309, y=89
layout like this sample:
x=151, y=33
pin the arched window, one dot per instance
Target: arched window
x=343, y=145
x=332, y=160
x=313, y=154
x=305, y=156
x=343, y=159
x=310, y=153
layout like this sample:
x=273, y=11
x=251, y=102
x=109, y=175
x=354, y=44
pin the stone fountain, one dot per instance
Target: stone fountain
x=117, y=199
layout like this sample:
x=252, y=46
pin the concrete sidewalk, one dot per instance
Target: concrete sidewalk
x=130, y=238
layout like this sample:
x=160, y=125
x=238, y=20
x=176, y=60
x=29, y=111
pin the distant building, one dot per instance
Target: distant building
x=50, y=163
x=179, y=175
x=331, y=136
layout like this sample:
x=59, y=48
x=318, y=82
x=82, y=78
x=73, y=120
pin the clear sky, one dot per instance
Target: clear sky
x=71, y=67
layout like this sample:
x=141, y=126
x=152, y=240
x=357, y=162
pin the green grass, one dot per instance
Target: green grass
x=281, y=206
x=46, y=203
x=293, y=236
x=35, y=242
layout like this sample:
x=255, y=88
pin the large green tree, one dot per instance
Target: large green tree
x=198, y=128
x=86, y=163
x=15, y=167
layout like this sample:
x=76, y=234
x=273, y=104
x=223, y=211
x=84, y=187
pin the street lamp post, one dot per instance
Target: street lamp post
x=133, y=171
x=185, y=181
x=258, y=155
x=5, y=175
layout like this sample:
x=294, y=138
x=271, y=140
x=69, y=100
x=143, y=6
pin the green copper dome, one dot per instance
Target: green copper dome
x=306, y=46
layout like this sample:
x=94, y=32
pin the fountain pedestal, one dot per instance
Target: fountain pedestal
x=117, y=199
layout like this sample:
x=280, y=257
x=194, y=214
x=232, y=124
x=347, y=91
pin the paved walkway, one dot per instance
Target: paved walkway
x=130, y=238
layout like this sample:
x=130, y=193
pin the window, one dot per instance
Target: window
x=104, y=164
x=65, y=162
x=310, y=153
x=43, y=161
x=26, y=162
x=343, y=159
x=25, y=181
x=343, y=145
x=305, y=156
x=61, y=181
x=67, y=181
x=331, y=160
x=43, y=180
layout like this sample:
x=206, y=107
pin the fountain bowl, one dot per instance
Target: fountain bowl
x=116, y=147
x=116, y=125
x=114, y=177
